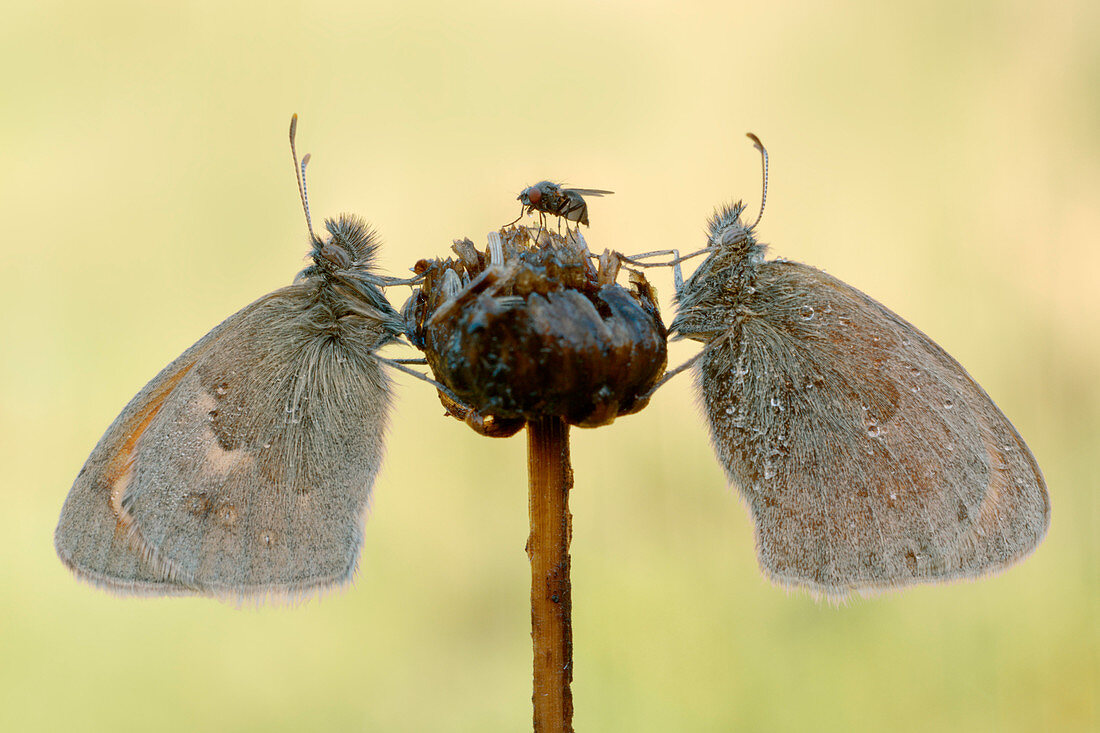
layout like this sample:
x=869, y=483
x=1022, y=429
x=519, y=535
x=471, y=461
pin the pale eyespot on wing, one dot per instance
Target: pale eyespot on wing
x=245, y=467
x=868, y=456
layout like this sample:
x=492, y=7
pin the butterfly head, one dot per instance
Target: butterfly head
x=731, y=237
x=352, y=245
x=707, y=299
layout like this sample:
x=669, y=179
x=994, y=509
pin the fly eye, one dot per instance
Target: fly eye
x=534, y=195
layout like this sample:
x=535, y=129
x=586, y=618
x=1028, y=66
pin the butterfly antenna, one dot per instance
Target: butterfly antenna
x=764, y=165
x=300, y=174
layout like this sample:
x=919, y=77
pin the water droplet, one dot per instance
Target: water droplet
x=949, y=446
x=914, y=371
x=776, y=402
x=212, y=415
x=730, y=410
x=893, y=496
x=769, y=470
x=267, y=445
x=914, y=389
x=906, y=341
x=873, y=430
x=807, y=312
x=948, y=405
x=221, y=389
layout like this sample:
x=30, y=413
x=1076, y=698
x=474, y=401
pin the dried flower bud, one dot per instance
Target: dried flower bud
x=535, y=330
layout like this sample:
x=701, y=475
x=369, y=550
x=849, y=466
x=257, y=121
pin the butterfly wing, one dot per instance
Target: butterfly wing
x=868, y=456
x=95, y=537
x=245, y=467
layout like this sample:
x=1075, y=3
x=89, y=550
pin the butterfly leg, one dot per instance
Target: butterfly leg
x=670, y=374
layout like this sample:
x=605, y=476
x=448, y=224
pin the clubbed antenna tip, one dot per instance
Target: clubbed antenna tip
x=764, y=165
x=300, y=174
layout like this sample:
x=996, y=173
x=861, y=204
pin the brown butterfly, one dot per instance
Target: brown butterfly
x=244, y=468
x=868, y=456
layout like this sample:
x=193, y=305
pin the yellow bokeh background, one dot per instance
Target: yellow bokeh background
x=943, y=157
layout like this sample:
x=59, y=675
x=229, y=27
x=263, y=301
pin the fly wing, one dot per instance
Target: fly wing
x=589, y=191
x=573, y=208
x=868, y=456
x=251, y=465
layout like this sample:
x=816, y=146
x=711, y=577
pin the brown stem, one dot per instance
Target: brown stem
x=550, y=478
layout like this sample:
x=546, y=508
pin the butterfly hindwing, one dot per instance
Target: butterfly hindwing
x=868, y=456
x=253, y=475
x=95, y=536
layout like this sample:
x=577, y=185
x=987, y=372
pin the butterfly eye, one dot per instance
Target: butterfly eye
x=337, y=255
x=733, y=234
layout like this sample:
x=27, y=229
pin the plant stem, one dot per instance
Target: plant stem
x=550, y=479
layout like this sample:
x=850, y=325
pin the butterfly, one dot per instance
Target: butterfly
x=244, y=468
x=868, y=457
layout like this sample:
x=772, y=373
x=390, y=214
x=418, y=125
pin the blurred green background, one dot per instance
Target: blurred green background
x=943, y=157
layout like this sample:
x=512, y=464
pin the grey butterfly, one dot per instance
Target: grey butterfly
x=868, y=457
x=244, y=468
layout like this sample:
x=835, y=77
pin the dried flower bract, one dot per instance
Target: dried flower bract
x=531, y=328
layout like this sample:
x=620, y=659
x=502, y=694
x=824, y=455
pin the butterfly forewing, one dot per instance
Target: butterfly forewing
x=868, y=456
